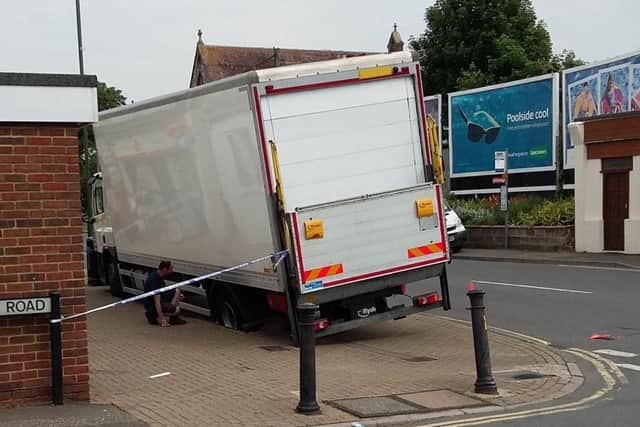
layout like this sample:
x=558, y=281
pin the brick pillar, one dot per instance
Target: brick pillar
x=41, y=249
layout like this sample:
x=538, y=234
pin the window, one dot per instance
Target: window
x=98, y=200
x=617, y=164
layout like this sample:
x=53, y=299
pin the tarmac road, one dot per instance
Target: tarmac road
x=564, y=305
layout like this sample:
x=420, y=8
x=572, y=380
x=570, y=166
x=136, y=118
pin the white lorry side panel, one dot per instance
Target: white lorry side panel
x=369, y=237
x=184, y=182
x=345, y=141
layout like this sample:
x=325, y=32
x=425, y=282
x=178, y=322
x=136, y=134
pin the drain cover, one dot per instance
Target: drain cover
x=420, y=359
x=530, y=376
x=273, y=348
x=366, y=407
x=410, y=403
x=442, y=399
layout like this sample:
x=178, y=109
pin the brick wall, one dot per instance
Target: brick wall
x=41, y=249
x=543, y=238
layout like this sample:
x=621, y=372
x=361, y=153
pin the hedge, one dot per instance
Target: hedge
x=530, y=210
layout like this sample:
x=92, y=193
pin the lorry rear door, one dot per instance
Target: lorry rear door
x=352, y=168
x=338, y=140
x=368, y=237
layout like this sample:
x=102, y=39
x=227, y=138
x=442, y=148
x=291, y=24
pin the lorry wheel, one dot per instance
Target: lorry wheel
x=228, y=316
x=228, y=309
x=113, y=279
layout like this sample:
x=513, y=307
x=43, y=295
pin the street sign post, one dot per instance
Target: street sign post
x=502, y=165
x=500, y=161
x=504, y=199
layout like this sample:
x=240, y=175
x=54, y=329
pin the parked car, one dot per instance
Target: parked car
x=455, y=229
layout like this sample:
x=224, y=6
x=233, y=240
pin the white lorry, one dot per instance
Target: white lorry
x=328, y=160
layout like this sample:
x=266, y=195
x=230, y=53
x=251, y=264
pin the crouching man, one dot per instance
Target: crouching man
x=162, y=309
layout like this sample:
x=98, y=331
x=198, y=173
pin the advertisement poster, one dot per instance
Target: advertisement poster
x=602, y=88
x=433, y=108
x=519, y=117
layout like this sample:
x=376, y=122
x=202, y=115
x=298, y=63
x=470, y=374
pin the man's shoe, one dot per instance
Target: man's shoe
x=151, y=318
x=175, y=320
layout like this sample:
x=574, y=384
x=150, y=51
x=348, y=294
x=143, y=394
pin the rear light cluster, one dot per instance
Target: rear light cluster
x=320, y=325
x=427, y=299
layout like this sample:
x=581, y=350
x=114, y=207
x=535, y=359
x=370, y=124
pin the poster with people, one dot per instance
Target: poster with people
x=635, y=88
x=600, y=88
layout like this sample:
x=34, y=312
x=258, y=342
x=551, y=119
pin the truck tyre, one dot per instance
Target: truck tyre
x=229, y=315
x=227, y=309
x=113, y=279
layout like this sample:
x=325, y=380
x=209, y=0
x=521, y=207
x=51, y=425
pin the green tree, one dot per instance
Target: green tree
x=564, y=60
x=470, y=43
x=108, y=97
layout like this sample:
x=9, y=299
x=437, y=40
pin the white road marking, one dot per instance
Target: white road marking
x=163, y=374
x=543, y=288
x=629, y=366
x=493, y=328
x=594, y=267
x=615, y=353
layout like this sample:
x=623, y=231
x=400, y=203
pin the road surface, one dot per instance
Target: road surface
x=564, y=305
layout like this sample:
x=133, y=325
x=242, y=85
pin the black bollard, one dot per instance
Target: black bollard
x=57, y=390
x=306, y=316
x=485, y=383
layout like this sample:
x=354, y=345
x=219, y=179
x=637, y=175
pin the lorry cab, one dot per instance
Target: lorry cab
x=100, y=245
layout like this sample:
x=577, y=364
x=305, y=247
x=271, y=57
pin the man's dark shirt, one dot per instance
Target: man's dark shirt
x=155, y=281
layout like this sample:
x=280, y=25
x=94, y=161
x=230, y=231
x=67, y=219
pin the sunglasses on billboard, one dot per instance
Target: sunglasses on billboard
x=475, y=132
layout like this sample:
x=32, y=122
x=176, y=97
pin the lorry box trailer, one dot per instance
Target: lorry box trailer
x=328, y=160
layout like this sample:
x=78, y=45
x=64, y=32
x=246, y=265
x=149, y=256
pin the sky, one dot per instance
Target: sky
x=146, y=47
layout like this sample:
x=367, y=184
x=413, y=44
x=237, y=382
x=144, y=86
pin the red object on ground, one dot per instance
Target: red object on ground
x=602, y=337
x=472, y=286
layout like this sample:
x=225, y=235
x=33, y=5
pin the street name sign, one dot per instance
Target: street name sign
x=22, y=306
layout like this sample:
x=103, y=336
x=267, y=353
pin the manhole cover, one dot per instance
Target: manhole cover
x=366, y=407
x=442, y=399
x=530, y=376
x=273, y=348
x=420, y=359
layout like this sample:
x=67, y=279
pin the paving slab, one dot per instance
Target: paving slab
x=68, y=415
x=220, y=377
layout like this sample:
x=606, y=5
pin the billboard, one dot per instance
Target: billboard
x=602, y=88
x=520, y=117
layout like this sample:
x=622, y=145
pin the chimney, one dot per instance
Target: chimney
x=395, y=41
x=276, y=57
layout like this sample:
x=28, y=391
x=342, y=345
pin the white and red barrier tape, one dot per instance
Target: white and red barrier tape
x=276, y=259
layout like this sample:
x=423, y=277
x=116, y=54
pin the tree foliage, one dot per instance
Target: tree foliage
x=471, y=43
x=564, y=60
x=108, y=97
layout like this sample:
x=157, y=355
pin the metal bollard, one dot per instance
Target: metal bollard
x=485, y=383
x=57, y=390
x=308, y=403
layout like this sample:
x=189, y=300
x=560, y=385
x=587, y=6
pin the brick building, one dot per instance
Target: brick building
x=41, y=241
x=214, y=62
